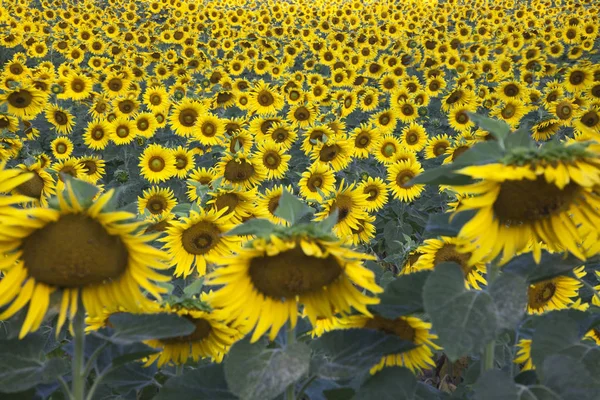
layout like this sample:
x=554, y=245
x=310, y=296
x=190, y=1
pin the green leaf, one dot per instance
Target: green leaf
x=254, y=372
x=509, y=292
x=345, y=354
x=444, y=175
x=291, y=208
x=569, y=378
x=205, y=382
x=520, y=138
x=390, y=383
x=536, y=392
x=194, y=288
x=182, y=210
x=128, y=377
x=447, y=224
x=24, y=364
x=495, y=385
x=498, y=129
x=138, y=327
x=255, y=226
x=480, y=153
x=339, y=394
x=550, y=266
x=402, y=296
x=554, y=332
x=328, y=223
x=84, y=191
x=465, y=321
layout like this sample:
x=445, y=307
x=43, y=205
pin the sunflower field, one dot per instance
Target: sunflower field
x=300, y=200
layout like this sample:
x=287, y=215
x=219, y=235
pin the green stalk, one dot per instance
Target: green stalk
x=78, y=363
x=179, y=370
x=291, y=339
x=488, y=352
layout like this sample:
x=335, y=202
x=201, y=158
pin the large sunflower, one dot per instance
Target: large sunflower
x=411, y=329
x=80, y=250
x=549, y=202
x=266, y=282
x=199, y=239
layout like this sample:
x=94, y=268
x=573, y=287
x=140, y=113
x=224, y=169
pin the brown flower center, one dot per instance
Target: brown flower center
x=329, y=152
x=74, y=251
x=238, y=171
x=265, y=98
x=525, y=200
x=156, y=164
x=187, y=117
x=398, y=327
x=33, y=187
x=20, y=99
x=200, y=238
x=292, y=273
x=403, y=178
x=229, y=200
x=271, y=159
x=539, y=294
x=201, y=332
x=448, y=253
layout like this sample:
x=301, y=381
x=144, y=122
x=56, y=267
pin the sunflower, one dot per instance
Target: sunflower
x=386, y=149
x=156, y=98
x=399, y=176
x=281, y=133
x=510, y=111
x=78, y=87
x=60, y=118
x=157, y=201
x=554, y=294
x=44, y=250
x=336, y=152
x=211, y=338
x=203, y=176
x=436, y=251
x=209, y=129
x=239, y=202
x=40, y=186
x=9, y=123
x=265, y=283
x=459, y=97
x=523, y=355
x=548, y=202
x=314, y=136
x=198, y=240
x=61, y=147
x=267, y=203
x=273, y=158
x=184, y=117
x=122, y=131
x=157, y=163
x=317, y=182
x=25, y=102
x=414, y=137
x=302, y=115
x=364, y=232
x=264, y=100
x=184, y=161
x=406, y=111
x=97, y=134
x=456, y=150
x=545, y=129
x=93, y=168
x=411, y=329
x=364, y=138
x=350, y=203
x=578, y=78
x=146, y=124
x=437, y=146
x=240, y=170
x=324, y=325
x=587, y=121
x=376, y=191
x=69, y=166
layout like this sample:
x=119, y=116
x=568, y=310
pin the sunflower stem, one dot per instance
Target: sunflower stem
x=179, y=370
x=488, y=352
x=78, y=363
x=291, y=339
